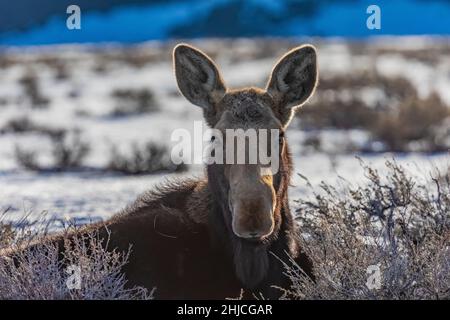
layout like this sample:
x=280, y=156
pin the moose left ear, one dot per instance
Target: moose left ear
x=293, y=81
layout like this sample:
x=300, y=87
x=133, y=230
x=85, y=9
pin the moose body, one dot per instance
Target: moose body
x=213, y=237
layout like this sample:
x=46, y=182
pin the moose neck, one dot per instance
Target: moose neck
x=252, y=261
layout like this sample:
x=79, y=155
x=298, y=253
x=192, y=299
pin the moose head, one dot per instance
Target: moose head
x=249, y=196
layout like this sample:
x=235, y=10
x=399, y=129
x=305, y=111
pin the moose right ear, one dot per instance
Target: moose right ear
x=293, y=80
x=198, y=78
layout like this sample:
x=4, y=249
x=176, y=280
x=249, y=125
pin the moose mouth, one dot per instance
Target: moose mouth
x=254, y=240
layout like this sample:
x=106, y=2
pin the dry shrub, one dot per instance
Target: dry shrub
x=24, y=124
x=18, y=125
x=27, y=159
x=394, y=222
x=7, y=234
x=132, y=56
x=7, y=60
x=337, y=114
x=399, y=120
x=69, y=151
x=393, y=87
x=331, y=109
x=133, y=102
x=39, y=273
x=430, y=55
x=32, y=91
x=57, y=64
x=415, y=120
x=143, y=159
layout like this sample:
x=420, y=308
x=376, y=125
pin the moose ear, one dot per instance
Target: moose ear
x=198, y=78
x=293, y=81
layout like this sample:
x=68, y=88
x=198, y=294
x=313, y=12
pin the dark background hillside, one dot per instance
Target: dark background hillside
x=28, y=22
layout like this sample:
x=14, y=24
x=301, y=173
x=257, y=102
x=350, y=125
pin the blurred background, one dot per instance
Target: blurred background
x=28, y=22
x=86, y=115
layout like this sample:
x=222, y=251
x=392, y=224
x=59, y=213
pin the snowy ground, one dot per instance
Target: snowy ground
x=79, y=80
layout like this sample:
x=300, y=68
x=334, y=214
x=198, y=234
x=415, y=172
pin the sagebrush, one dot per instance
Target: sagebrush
x=395, y=222
x=30, y=272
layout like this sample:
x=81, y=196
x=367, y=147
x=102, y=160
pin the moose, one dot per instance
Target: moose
x=211, y=238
